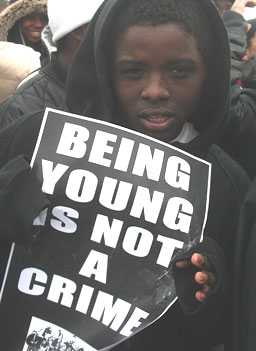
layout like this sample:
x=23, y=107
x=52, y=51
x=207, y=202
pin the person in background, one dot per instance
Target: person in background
x=223, y=5
x=47, y=38
x=68, y=21
x=16, y=62
x=248, y=78
x=239, y=140
x=22, y=22
x=151, y=66
x=239, y=135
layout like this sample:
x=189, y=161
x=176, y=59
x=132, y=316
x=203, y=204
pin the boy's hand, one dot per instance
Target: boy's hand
x=206, y=278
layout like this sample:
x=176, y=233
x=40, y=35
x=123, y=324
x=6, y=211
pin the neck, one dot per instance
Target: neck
x=65, y=61
x=66, y=56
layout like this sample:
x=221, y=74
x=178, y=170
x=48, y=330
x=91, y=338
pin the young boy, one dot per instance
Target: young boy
x=157, y=67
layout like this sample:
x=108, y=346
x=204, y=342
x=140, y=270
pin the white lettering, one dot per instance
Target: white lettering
x=28, y=279
x=95, y=264
x=51, y=176
x=124, y=155
x=100, y=147
x=84, y=299
x=113, y=197
x=81, y=186
x=64, y=223
x=105, y=309
x=145, y=161
x=72, y=141
x=61, y=291
x=167, y=249
x=178, y=214
x=137, y=241
x=134, y=321
x=177, y=173
x=150, y=207
x=102, y=229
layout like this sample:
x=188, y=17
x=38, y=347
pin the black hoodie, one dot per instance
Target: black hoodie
x=188, y=325
x=89, y=77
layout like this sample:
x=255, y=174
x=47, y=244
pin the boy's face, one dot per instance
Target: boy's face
x=158, y=77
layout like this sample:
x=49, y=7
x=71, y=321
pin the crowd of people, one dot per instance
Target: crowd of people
x=180, y=71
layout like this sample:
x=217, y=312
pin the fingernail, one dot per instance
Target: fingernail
x=202, y=277
x=200, y=296
x=200, y=259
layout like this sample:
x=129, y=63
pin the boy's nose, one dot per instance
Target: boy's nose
x=155, y=90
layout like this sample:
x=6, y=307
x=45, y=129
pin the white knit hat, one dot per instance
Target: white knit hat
x=67, y=15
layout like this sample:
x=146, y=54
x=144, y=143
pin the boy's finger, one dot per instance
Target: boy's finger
x=206, y=289
x=207, y=278
x=201, y=262
x=183, y=264
x=200, y=296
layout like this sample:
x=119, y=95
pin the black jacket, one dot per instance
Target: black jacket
x=44, y=88
x=188, y=325
x=246, y=321
x=239, y=138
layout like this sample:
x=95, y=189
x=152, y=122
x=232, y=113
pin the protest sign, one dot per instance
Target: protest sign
x=122, y=206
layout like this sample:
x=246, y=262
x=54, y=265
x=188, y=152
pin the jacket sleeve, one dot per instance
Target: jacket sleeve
x=239, y=138
x=237, y=41
x=21, y=197
x=245, y=318
x=21, y=200
x=202, y=318
x=9, y=112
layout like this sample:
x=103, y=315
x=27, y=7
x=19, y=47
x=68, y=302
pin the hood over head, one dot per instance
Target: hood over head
x=16, y=10
x=89, y=90
x=251, y=31
x=65, y=15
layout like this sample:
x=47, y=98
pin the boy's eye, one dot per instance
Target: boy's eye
x=132, y=73
x=180, y=72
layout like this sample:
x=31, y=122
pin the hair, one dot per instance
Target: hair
x=187, y=14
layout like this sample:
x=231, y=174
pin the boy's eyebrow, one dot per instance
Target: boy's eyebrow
x=124, y=62
x=171, y=62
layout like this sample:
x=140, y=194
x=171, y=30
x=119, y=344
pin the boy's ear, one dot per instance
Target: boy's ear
x=79, y=32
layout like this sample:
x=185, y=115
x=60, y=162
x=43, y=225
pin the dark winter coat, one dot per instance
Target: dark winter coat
x=239, y=138
x=44, y=88
x=188, y=325
x=245, y=322
x=9, y=23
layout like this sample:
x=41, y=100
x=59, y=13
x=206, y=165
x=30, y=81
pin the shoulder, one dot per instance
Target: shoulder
x=227, y=172
x=229, y=181
x=229, y=184
x=20, y=137
x=26, y=98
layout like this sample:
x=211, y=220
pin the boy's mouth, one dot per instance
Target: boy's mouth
x=156, y=118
